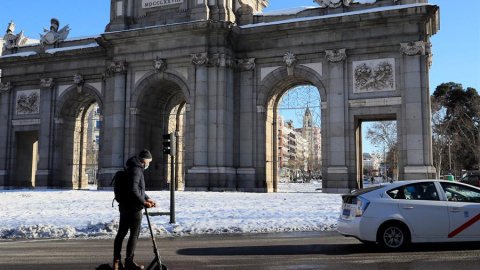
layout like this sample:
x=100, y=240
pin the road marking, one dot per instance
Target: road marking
x=464, y=226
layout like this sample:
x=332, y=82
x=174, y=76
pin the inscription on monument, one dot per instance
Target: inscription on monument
x=159, y=3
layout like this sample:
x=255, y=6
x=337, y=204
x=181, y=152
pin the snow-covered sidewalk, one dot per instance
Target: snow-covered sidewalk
x=89, y=213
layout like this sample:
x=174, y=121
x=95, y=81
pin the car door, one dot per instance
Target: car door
x=463, y=209
x=425, y=213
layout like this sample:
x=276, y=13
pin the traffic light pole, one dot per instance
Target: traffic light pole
x=172, y=189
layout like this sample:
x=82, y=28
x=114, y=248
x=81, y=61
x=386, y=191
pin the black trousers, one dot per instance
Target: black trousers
x=130, y=220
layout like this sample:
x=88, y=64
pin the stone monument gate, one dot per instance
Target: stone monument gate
x=214, y=72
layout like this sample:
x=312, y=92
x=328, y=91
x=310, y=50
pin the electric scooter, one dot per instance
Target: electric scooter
x=156, y=264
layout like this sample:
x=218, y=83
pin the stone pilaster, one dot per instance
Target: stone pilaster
x=337, y=132
x=45, y=149
x=5, y=91
x=114, y=115
x=416, y=155
x=246, y=179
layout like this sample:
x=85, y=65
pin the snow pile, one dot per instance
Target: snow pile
x=89, y=213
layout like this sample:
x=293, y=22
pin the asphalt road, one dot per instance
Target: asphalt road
x=256, y=252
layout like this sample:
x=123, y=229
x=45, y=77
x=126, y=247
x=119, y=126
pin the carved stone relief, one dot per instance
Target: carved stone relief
x=47, y=83
x=245, y=64
x=333, y=3
x=5, y=87
x=160, y=64
x=335, y=56
x=199, y=59
x=116, y=67
x=28, y=102
x=374, y=75
x=290, y=60
x=413, y=48
x=78, y=79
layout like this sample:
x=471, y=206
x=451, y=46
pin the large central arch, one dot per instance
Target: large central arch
x=274, y=86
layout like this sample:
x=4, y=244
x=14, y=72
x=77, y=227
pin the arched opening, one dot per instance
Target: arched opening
x=299, y=136
x=78, y=133
x=160, y=110
x=308, y=81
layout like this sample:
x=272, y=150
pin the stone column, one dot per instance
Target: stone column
x=5, y=90
x=337, y=171
x=45, y=149
x=416, y=134
x=114, y=115
x=246, y=171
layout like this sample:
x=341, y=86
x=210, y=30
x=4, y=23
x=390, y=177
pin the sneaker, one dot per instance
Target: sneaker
x=131, y=265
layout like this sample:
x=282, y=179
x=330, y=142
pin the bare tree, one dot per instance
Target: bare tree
x=441, y=137
x=384, y=133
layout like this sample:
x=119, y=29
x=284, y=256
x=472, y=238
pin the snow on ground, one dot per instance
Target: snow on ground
x=89, y=213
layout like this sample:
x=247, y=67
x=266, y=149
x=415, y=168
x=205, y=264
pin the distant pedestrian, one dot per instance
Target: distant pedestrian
x=372, y=179
x=131, y=211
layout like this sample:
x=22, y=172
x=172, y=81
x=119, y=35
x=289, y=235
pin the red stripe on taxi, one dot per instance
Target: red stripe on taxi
x=464, y=226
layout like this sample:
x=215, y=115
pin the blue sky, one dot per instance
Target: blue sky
x=456, y=53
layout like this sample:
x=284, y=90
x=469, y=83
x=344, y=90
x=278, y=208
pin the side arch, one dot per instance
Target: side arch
x=71, y=134
x=154, y=77
x=72, y=98
x=158, y=99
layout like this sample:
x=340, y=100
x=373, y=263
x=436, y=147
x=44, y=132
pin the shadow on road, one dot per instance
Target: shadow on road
x=325, y=249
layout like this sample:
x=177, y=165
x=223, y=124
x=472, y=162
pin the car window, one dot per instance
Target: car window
x=460, y=193
x=416, y=191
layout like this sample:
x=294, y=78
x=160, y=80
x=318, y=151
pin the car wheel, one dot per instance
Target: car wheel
x=393, y=236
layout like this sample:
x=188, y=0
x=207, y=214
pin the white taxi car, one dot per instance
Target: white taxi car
x=415, y=211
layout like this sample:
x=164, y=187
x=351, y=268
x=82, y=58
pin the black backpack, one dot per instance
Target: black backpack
x=120, y=186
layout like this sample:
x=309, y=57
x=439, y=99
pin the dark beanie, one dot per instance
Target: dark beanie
x=145, y=156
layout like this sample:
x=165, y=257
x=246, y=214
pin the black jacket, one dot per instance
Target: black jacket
x=136, y=184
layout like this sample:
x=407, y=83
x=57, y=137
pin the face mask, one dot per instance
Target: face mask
x=146, y=166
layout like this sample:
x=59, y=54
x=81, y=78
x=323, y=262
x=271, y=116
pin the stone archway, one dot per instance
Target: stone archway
x=158, y=108
x=276, y=84
x=71, y=124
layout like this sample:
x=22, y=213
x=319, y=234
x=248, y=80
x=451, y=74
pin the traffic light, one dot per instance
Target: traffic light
x=169, y=144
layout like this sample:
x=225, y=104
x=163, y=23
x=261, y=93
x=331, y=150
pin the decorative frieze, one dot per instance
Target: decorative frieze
x=5, y=87
x=28, y=102
x=413, y=48
x=336, y=56
x=47, y=83
x=116, y=67
x=160, y=64
x=374, y=75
